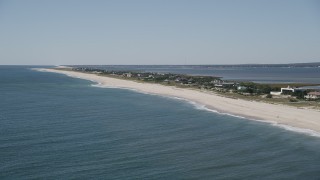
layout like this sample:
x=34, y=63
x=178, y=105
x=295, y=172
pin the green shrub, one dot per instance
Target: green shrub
x=269, y=96
x=293, y=100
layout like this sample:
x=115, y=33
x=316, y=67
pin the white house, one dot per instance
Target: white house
x=224, y=84
x=241, y=88
x=127, y=75
x=276, y=93
x=313, y=95
x=285, y=91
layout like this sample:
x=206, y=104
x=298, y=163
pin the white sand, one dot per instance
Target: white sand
x=280, y=114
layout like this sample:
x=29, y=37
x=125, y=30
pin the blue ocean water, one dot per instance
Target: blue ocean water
x=56, y=127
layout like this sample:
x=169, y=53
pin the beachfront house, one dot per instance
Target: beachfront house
x=181, y=80
x=242, y=88
x=312, y=95
x=285, y=91
x=96, y=72
x=275, y=93
x=127, y=75
x=224, y=85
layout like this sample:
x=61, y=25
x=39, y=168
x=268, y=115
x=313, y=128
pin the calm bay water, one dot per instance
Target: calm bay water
x=56, y=127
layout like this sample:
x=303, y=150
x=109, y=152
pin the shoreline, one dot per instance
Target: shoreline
x=281, y=115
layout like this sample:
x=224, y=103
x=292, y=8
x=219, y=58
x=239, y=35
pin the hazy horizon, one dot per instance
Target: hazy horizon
x=157, y=64
x=293, y=63
x=159, y=32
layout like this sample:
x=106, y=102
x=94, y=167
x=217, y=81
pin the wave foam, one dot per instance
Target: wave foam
x=273, y=123
x=298, y=130
x=204, y=108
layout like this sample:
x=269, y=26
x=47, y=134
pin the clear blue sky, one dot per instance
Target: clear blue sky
x=159, y=32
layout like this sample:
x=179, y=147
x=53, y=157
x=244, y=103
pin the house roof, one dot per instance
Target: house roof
x=316, y=93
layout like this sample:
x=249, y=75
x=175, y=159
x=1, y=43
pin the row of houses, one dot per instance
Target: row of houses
x=313, y=95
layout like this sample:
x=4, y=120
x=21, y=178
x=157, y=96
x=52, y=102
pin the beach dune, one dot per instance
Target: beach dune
x=279, y=114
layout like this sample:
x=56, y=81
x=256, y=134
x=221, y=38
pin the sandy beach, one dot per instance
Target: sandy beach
x=280, y=114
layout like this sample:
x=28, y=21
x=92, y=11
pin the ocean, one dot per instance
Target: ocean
x=56, y=127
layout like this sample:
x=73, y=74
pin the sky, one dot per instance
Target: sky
x=158, y=32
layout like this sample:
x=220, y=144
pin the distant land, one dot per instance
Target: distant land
x=311, y=64
x=290, y=65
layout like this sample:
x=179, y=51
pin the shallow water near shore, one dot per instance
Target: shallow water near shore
x=54, y=126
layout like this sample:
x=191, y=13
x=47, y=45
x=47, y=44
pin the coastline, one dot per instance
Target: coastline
x=275, y=114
